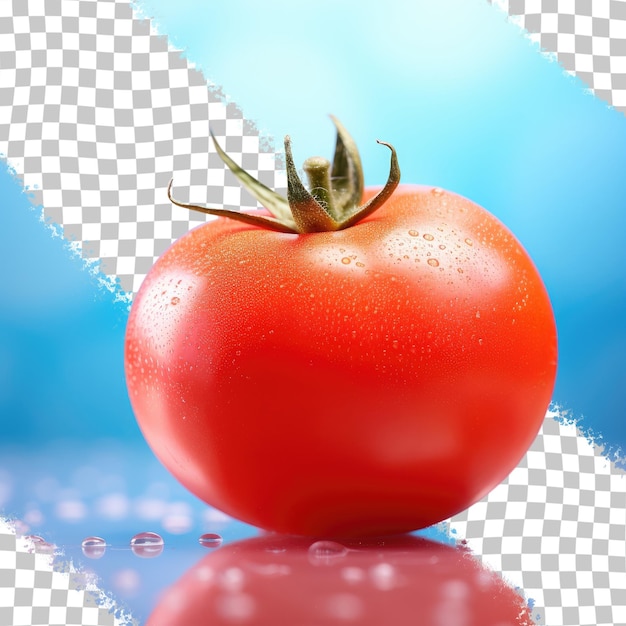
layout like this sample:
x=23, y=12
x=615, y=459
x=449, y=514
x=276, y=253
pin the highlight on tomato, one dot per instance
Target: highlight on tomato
x=345, y=361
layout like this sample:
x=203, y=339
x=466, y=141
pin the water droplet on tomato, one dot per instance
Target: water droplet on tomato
x=210, y=540
x=436, y=191
x=326, y=552
x=433, y=262
x=477, y=314
x=359, y=264
x=469, y=242
x=442, y=247
x=175, y=300
x=428, y=237
x=346, y=260
x=413, y=233
x=93, y=547
x=147, y=545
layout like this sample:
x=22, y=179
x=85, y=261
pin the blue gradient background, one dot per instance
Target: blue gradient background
x=469, y=103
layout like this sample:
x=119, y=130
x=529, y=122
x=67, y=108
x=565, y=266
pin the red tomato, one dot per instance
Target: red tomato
x=289, y=580
x=376, y=379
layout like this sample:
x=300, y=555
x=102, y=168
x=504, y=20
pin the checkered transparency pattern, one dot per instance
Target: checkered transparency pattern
x=98, y=113
x=587, y=37
x=556, y=528
x=32, y=591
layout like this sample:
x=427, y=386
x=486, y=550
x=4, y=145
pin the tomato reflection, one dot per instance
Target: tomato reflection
x=275, y=580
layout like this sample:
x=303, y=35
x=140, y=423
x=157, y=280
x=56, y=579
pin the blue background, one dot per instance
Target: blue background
x=469, y=103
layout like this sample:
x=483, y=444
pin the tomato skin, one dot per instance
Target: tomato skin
x=377, y=379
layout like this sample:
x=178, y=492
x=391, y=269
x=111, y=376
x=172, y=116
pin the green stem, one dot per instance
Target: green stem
x=333, y=202
x=317, y=170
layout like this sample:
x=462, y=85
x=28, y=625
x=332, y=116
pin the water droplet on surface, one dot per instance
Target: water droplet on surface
x=93, y=547
x=147, y=545
x=469, y=242
x=436, y=191
x=433, y=262
x=459, y=270
x=359, y=264
x=346, y=260
x=326, y=552
x=210, y=540
x=413, y=233
x=428, y=237
x=384, y=576
x=40, y=545
x=477, y=314
x=441, y=246
x=175, y=300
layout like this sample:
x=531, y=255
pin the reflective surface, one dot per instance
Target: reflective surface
x=275, y=579
x=120, y=518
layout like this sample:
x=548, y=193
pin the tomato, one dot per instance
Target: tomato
x=376, y=378
x=291, y=580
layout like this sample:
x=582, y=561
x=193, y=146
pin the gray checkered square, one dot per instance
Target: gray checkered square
x=587, y=38
x=556, y=528
x=98, y=113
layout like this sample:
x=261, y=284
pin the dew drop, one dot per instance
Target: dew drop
x=346, y=260
x=175, y=300
x=469, y=242
x=442, y=247
x=413, y=233
x=147, y=545
x=433, y=262
x=477, y=314
x=93, y=547
x=428, y=237
x=359, y=264
x=210, y=540
x=436, y=191
x=326, y=552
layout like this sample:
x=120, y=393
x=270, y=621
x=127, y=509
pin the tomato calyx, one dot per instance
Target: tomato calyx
x=332, y=201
